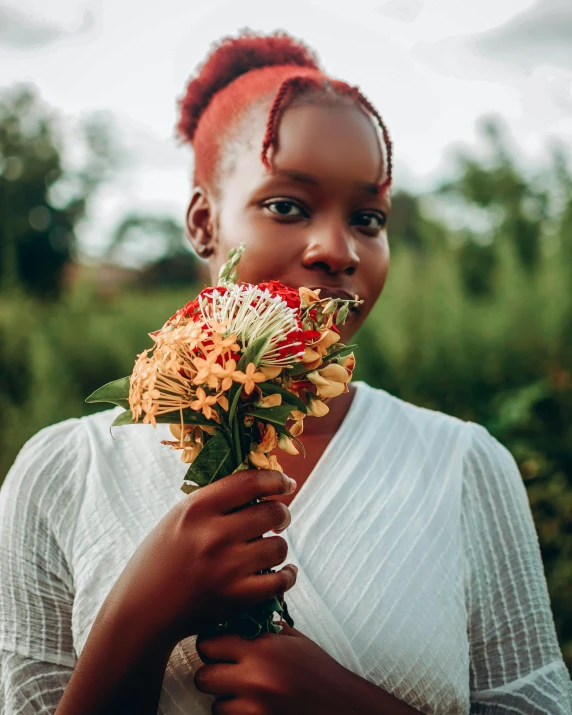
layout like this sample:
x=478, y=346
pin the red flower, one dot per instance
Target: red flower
x=290, y=295
x=291, y=345
x=207, y=293
x=310, y=335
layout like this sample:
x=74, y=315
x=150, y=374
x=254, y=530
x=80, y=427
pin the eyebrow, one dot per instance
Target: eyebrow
x=301, y=176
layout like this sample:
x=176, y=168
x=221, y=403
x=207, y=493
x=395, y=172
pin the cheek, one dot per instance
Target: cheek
x=270, y=248
x=374, y=267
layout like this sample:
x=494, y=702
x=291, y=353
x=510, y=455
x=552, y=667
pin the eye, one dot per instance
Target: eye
x=379, y=217
x=283, y=207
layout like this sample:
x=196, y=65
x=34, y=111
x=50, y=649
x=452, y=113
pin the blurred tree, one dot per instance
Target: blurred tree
x=160, y=242
x=516, y=209
x=41, y=201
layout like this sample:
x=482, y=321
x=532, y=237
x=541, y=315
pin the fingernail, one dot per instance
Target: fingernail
x=293, y=483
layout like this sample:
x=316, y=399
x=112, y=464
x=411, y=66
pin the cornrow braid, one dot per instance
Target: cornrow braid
x=299, y=84
x=386, y=138
x=240, y=71
x=290, y=85
x=357, y=95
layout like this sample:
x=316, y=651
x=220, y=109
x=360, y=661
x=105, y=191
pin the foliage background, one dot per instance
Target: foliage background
x=475, y=319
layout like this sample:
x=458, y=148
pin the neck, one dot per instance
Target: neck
x=327, y=425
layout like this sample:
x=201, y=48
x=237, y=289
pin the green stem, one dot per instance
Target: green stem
x=236, y=439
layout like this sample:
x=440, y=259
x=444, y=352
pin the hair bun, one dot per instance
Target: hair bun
x=231, y=57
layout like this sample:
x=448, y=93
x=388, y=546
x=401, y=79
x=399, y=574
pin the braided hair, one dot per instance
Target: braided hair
x=241, y=72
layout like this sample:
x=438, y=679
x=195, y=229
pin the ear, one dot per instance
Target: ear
x=200, y=223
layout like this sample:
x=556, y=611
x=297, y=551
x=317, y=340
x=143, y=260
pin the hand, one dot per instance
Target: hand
x=199, y=564
x=274, y=674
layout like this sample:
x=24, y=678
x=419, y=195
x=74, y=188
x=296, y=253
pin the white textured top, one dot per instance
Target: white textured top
x=419, y=562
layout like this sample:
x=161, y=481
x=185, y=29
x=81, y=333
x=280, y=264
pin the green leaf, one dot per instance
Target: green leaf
x=116, y=392
x=298, y=370
x=189, y=488
x=190, y=417
x=338, y=351
x=269, y=388
x=235, y=392
x=214, y=461
x=286, y=616
x=274, y=415
x=125, y=418
x=254, y=352
x=342, y=314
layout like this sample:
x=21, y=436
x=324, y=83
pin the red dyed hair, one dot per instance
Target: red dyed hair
x=240, y=71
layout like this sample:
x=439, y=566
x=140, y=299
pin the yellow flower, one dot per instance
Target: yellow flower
x=330, y=381
x=190, y=452
x=181, y=431
x=298, y=427
x=271, y=371
x=259, y=460
x=325, y=341
x=349, y=363
x=205, y=373
x=309, y=296
x=223, y=402
x=221, y=343
x=311, y=358
x=269, y=401
x=336, y=372
x=317, y=408
x=269, y=438
x=204, y=402
x=189, y=440
x=249, y=378
x=286, y=444
x=273, y=463
x=225, y=373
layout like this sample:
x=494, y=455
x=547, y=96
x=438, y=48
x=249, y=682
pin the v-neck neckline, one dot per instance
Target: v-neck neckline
x=312, y=483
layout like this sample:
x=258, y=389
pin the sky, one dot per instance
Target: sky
x=432, y=68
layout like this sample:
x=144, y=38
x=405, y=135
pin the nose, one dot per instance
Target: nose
x=331, y=248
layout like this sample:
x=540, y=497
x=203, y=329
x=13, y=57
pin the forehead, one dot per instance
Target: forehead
x=339, y=146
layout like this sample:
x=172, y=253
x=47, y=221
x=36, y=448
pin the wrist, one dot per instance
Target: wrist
x=139, y=630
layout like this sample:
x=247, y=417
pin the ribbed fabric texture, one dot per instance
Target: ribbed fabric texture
x=414, y=530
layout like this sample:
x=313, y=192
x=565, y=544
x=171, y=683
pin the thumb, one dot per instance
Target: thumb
x=288, y=630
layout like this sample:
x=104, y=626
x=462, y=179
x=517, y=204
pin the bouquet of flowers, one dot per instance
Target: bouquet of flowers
x=234, y=373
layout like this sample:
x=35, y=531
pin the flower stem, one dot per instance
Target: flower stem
x=236, y=440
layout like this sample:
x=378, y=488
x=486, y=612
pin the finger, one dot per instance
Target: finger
x=262, y=587
x=225, y=648
x=218, y=679
x=257, y=519
x=263, y=553
x=236, y=490
x=288, y=630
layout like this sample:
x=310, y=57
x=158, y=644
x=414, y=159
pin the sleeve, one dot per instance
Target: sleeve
x=39, y=502
x=516, y=664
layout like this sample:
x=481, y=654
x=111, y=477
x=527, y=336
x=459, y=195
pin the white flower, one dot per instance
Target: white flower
x=250, y=313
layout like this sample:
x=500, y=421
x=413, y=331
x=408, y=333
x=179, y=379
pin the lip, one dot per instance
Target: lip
x=334, y=292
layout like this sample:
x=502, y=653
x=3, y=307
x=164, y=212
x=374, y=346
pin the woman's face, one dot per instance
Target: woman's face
x=311, y=221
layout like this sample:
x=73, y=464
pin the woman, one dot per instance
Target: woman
x=419, y=585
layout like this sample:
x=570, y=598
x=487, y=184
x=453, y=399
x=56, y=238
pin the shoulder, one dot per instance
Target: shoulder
x=489, y=465
x=58, y=448
x=44, y=487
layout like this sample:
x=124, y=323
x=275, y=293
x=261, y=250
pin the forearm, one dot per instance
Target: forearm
x=120, y=669
x=369, y=699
